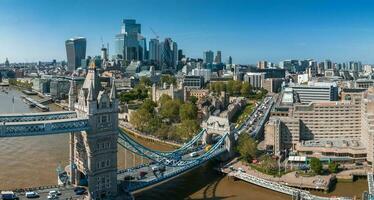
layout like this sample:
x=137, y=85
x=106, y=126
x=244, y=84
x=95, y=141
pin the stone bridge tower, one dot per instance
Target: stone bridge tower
x=93, y=153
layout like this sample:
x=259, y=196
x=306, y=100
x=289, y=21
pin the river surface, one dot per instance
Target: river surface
x=32, y=161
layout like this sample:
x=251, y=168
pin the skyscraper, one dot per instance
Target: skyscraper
x=218, y=58
x=208, y=57
x=154, y=51
x=129, y=44
x=169, y=54
x=75, y=52
x=262, y=64
x=229, y=60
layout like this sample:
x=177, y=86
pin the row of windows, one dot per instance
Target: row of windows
x=103, y=164
x=103, y=145
x=103, y=182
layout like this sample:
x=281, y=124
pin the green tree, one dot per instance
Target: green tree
x=316, y=165
x=247, y=147
x=230, y=87
x=245, y=90
x=148, y=105
x=140, y=119
x=188, y=111
x=168, y=79
x=237, y=85
x=192, y=99
x=333, y=167
x=268, y=163
x=170, y=110
x=164, y=98
x=146, y=81
x=188, y=128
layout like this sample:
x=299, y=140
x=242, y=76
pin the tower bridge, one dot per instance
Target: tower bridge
x=92, y=123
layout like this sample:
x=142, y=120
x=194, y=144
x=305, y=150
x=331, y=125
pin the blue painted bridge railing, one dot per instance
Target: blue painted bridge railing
x=216, y=150
x=49, y=127
x=28, y=117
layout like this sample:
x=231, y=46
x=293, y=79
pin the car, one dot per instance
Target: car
x=80, y=191
x=31, y=194
x=52, y=196
x=155, y=168
x=54, y=192
x=194, y=154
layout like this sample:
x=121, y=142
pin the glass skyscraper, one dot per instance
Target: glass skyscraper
x=75, y=52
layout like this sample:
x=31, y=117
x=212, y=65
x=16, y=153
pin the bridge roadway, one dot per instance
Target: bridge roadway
x=133, y=180
x=47, y=127
x=25, y=117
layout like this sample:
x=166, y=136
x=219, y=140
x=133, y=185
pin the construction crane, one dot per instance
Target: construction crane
x=154, y=32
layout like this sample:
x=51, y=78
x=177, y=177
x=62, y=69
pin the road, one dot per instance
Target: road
x=66, y=193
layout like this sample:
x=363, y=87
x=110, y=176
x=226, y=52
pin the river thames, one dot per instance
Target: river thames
x=32, y=161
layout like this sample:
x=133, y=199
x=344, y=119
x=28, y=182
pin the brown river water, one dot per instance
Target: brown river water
x=32, y=161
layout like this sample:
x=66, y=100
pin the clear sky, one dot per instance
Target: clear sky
x=248, y=30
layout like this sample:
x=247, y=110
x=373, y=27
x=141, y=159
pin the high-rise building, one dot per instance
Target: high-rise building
x=142, y=48
x=75, y=51
x=167, y=54
x=218, y=58
x=328, y=64
x=229, y=60
x=154, y=51
x=208, y=57
x=262, y=64
x=129, y=44
x=180, y=54
x=104, y=53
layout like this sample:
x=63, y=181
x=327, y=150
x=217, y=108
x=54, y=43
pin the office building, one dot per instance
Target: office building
x=218, y=58
x=168, y=54
x=316, y=91
x=255, y=79
x=75, y=52
x=208, y=57
x=337, y=131
x=206, y=73
x=262, y=64
x=154, y=51
x=193, y=82
x=129, y=44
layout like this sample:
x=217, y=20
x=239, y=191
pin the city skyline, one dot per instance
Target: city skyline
x=246, y=30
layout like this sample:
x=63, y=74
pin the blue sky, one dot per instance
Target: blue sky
x=341, y=30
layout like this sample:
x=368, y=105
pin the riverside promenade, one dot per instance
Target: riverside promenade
x=290, y=179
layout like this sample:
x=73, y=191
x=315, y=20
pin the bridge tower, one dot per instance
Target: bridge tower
x=94, y=152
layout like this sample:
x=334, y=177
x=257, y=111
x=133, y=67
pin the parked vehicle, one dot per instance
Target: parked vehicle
x=31, y=194
x=79, y=190
x=8, y=195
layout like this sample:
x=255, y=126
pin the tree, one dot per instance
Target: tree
x=170, y=110
x=268, y=163
x=245, y=91
x=168, y=79
x=148, y=105
x=192, y=99
x=247, y=147
x=316, y=165
x=188, y=111
x=146, y=81
x=333, y=167
x=140, y=119
x=188, y=128
x=237, y=85
x=164, y=98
